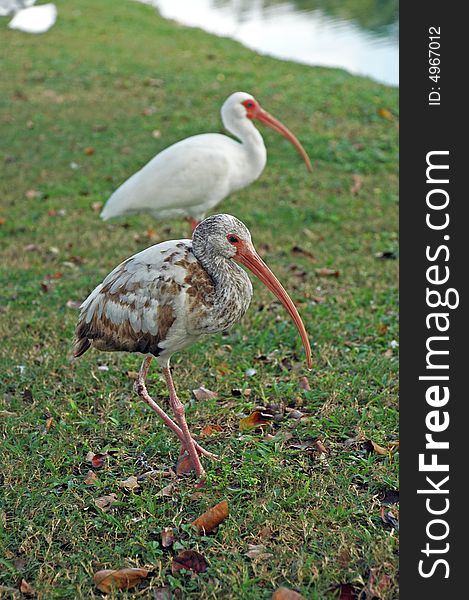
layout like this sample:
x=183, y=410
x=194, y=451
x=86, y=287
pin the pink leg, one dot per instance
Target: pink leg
x=178, y=409
x=141, y=389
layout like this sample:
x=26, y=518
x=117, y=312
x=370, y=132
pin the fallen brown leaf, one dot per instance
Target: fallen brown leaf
x=88, y=151
x=97, y=460
x=167, y=491
x=162, y=593
x=167, y=537
x=189, y=560
x=310, y=444
x=298, y=250
x=31, y=194
x=149, y=110
x=255, y=419
x=91, y=477
x=211, y=518
x=210, y=429
x=73, y=304
x=326, y=272
x=25, y=588
x=357, y=184
x=371, y=446
x=151, y=234
x=105, y=502
x=284, y=593
x=203, y=393
x=258, y=551
x=2, y=220
x=385, y=113
x=130, y=483
x=121, y=579
x=132, y=375
x=184, y=464
x=304, y=383
x=382, y=328
x=347, y=592
x=388, y=518
x=378, y=583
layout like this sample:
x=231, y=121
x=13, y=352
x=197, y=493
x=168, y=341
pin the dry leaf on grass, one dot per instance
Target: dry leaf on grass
x=211, y=518
x=255, y=419
x=326, y=272
x=347, y=592
x=91, y=477
x=167, y=537
x=167, y=491
x=31, y=194
x=371, y=446
x=105, y=502
x=210, y=429
x=284, y=593
x=310, y=444
x=298, y=250
x=120, y=579
x=378, y=583
x=88, y=151
x=162, y=593
x=357, y=184
x=304, y=384
x=202, y=393
x=184, y=465
x=257, y=551
x=190, y=560
x=389, y=518
x=73, y=304
x=25, y=588
x=385, y=114
x=130, y=483
x=97, y=460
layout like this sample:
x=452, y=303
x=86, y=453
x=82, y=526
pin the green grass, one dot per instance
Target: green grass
x=86, y=84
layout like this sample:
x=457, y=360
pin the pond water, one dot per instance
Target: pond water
x=361, y=36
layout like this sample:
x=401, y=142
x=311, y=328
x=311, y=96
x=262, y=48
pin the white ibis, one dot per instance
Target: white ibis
x=194, y=175
x=167, y=296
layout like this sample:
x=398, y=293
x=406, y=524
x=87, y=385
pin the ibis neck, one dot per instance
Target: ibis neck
x=252, y=143
x=233, y=289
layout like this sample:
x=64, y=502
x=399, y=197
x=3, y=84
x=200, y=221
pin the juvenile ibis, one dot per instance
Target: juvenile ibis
x=192, y=176
x=166, y=297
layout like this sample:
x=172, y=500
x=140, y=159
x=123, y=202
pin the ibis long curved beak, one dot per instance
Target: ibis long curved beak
x=249, y=258
x=262, y=115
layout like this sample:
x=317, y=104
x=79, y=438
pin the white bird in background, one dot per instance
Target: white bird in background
x=192, y=176
x=166, y=297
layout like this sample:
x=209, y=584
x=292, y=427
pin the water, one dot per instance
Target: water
x=360, y=36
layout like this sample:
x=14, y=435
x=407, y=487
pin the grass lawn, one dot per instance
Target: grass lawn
x=84, y=106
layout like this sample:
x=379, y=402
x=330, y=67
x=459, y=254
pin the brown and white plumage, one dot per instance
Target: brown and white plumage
x=164, y=298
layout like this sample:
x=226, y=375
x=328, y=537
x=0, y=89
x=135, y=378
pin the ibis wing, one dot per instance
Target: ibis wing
x=136, y=305
x=182, y=178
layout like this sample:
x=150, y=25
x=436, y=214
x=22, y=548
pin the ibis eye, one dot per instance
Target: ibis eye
x=232, y=239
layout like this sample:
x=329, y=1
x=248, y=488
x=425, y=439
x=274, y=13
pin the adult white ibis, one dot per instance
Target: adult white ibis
x=194, y=175
x=167, y=296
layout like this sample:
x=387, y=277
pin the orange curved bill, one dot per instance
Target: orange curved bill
x=263, y=116
x=249, y=258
